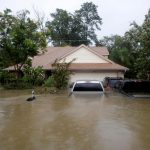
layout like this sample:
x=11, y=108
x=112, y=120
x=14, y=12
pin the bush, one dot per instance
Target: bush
x=17, y=84
x=50, y=82
x=61, y=74
x=34, y=76
x=6, y=77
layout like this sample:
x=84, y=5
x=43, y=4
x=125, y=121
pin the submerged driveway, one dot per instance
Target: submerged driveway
x=59, y=122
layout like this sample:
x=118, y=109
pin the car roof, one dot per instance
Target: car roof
x=87, y=81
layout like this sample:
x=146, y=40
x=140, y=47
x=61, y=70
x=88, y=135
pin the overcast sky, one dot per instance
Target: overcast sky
x=116, y=14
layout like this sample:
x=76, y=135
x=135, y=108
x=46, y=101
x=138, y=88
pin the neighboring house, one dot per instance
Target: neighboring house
x=91, y=63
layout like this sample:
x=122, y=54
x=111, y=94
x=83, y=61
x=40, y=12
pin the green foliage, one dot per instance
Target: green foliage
x=60, y=27
x=132, y=50
x=91, y=21
x=61, y=74
x=20, y=38
x=6, y=77
x=33, y=76
x=9, y=81
x=139, y=37
x=74, y=29
x=17, y=84
x=125, y=50
x=50, y=82
x=120, y=50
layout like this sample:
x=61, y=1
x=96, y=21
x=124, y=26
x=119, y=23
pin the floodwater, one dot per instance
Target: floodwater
x=80, y=122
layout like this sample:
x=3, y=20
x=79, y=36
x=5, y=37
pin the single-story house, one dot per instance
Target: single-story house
x=91, y=63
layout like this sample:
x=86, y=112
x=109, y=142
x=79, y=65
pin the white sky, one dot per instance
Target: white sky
x=116, y=14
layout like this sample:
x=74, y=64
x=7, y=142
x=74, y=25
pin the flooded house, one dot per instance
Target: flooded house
x=90, y=63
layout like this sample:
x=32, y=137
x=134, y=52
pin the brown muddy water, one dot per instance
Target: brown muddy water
x=81, y=122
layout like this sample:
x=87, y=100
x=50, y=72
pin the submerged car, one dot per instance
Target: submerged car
x=111, y=81
x=87, y=86
x=135, y=88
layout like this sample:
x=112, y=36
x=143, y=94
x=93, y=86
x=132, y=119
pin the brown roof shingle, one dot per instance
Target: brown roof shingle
x=92, y=67
x=53, y=53
x=97, y=66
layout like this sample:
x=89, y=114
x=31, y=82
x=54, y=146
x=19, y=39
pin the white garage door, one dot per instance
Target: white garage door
x=94, y=75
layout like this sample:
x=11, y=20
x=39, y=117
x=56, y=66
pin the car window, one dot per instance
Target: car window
x=113, y=82
x=88, y=87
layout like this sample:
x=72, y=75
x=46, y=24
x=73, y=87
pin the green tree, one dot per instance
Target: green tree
x=60, y=27
x=143, y=61
x=6, y=23
x=120, y=52
x=119, y=49
x=139, y=37
x=74, y=29
x=20, y=38
x=132, y=50
x=91, y=21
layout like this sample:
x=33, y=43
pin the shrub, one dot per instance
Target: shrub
x=61, y=74
x=6, y=77
x=17, y=84
x=50, y=82
x=34, y=76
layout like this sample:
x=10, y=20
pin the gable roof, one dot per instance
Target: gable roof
x=52, y=53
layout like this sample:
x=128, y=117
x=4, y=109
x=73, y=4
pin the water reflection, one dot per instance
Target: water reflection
x=78, y=122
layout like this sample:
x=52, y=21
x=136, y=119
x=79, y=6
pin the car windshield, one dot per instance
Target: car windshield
x=88, y=87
